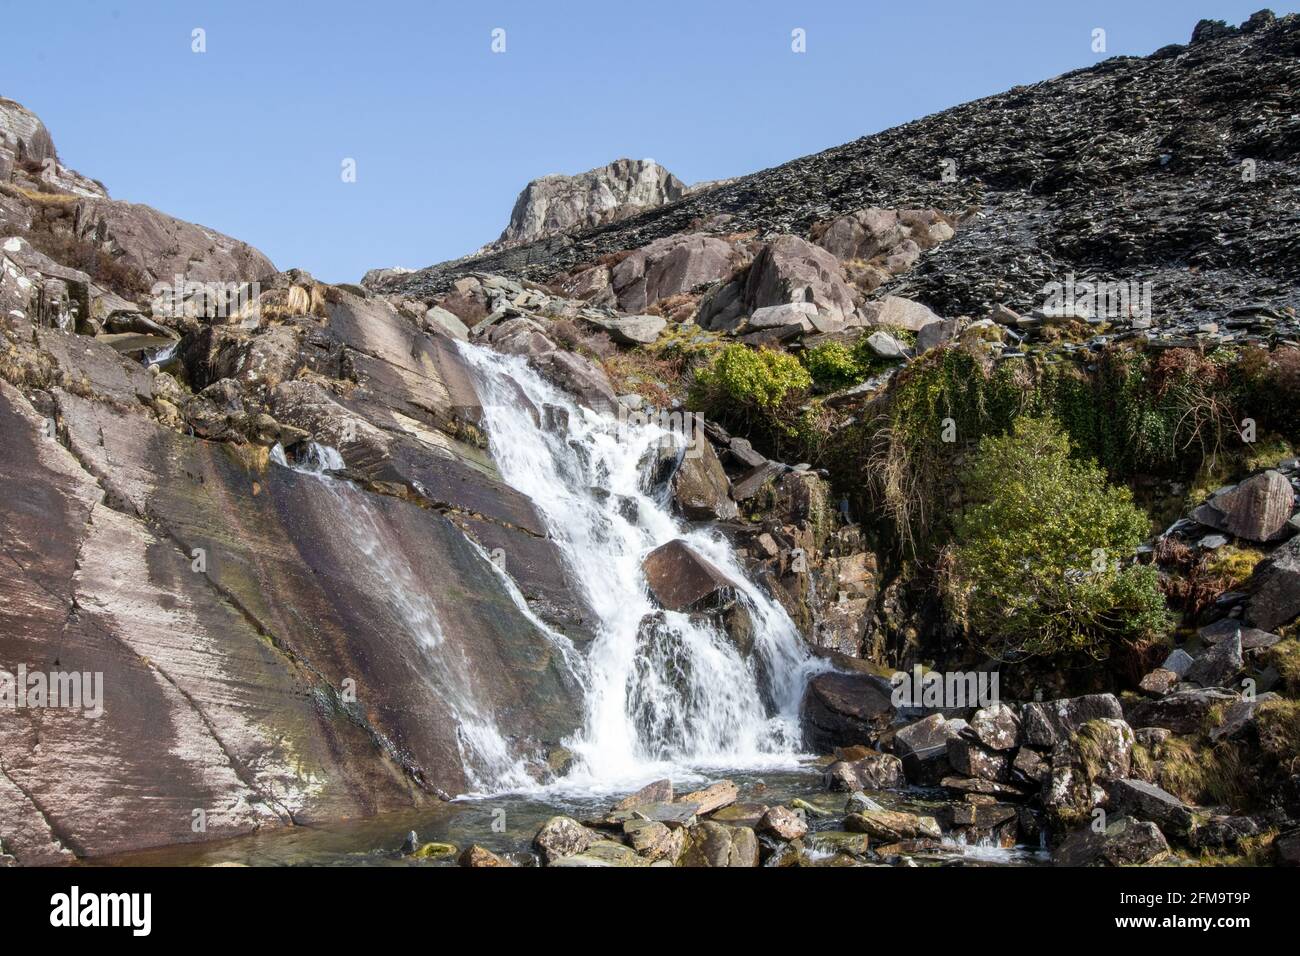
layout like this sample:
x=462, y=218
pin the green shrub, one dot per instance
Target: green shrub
x=1036, y=565
x=752, y=379
x=832, y=365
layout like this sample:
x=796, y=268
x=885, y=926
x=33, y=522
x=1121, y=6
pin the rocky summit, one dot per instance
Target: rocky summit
x=929, y=500
x=555, y=205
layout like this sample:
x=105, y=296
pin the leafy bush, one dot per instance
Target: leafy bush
x=1037, y=565
x=832, y=365
x=744, y=380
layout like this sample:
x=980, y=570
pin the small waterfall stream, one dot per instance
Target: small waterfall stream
x=675, y=698
x=489, y=760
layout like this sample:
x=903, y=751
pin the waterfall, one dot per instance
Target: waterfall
x=673, y=698
x=489, y=760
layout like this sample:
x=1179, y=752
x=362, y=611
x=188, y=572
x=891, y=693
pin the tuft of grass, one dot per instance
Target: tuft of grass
x=1285, y=656
x=1092, y=744
x=1266, y=453
x=1278, y=725
x=1254, y=850
x=1195, y=773
x=1233, y=565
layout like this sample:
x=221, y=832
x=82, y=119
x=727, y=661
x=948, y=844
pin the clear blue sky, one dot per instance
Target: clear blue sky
x=249, y=137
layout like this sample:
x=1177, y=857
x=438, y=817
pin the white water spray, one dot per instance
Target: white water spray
x=670, y=696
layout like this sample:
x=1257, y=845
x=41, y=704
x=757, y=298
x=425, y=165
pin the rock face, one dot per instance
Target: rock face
x=23, y=133
x=275, y=645
x=161, y=247
x=134, y=246
x=558, y=204
x=668, y=267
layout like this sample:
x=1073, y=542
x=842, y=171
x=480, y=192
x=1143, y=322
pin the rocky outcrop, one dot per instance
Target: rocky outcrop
x=558, y=204
x=272, y=648
x=790, y=282
x=23, y=133
x=877, y=244
x=161, y=247
x=668, y=267
x=126, y=247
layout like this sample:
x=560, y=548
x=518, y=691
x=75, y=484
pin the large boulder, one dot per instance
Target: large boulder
x=1275, y=586
x=681, y=579
x=634, y=329
x=895, y=312
x=671, y=266
x=1258, y=509
x=701, y=489
x=890, y=826
x=876, y=244
x=712, y=844
x=866, y=770
x=657, y=791
x=1146, y=801
x=1100, y=752
x=563, y=836
x=602, y=853
x=1045, y=724
x=654, y=840
x=22, y=132
x=1124, y=842
x=996, y=727
x=843, y=710
x=923, y=746
x=1217, y=666
x=790, y=269
x=1184, y=711
x=971, y=759
x=579, y=376
x=862, y=234
x=711, y=798
x=782, y=823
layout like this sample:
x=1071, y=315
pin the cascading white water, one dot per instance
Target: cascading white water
x=489, y=761
x=662, y=700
